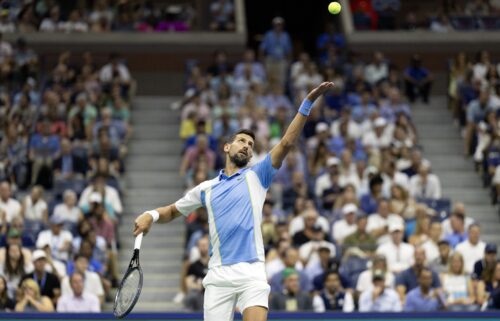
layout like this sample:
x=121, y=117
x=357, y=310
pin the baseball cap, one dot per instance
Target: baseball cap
x=490, y=248
x=396, y=227
x=380, y=122
x=56, y=220
x=378, y=275
x=95, y=198
x=349, y=208
x=331, y=161
x=287, y=272
x=321, y=127
x=38, y=254
x=443, y=242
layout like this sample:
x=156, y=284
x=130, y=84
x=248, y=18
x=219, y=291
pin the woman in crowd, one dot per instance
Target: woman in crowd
x=30, y=299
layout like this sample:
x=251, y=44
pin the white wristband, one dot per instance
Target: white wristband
x=154, y=214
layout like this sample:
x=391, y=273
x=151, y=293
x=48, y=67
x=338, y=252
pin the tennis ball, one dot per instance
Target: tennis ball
x=334, y=7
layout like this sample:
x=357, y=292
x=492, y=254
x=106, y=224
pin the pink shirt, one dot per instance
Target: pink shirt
x=193, y=154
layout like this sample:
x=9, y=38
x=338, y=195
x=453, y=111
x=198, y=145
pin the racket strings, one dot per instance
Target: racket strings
x=128, y=291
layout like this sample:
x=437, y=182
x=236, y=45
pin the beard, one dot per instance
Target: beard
x=240, y=160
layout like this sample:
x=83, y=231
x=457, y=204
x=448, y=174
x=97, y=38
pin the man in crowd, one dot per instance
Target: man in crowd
x=79, y=300
x=425, y=297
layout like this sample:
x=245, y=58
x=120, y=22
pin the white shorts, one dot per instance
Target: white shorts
x=239, y=285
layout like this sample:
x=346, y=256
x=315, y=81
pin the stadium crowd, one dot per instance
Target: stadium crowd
x=63, y=139
x=354, y=219
x=447, y=16
x=110, y=15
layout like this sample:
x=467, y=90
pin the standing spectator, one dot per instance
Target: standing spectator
x=44, y=148
x=424, y=297
x=222, y=14
x=48, y=282
x=457, y=286
x=418, y=80
x=31, y=300
x=377, y=70
x=58, y=239
x=8, y=205
x=276, y=48
x=378, y=298
x=440, y=264
x=292, y=299
x=195, y=274
x=6, y=303
x=472, y=249
x=425, y=184
x=398, y=253
x=80, y=300
x=333, y=297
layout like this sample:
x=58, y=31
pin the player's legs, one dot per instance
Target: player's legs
x=219, y=303
x=255, y=313
x=253, y=292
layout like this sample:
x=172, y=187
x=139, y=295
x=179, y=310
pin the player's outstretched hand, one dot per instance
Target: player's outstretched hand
x=142, y=224
x=320, y=90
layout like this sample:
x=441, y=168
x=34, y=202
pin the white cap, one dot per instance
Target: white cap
x=380, y=122
x=396, y=227
x=95, y=198
x=321, y=127
x=38, y=254
x=349, y=208
x=332, y=161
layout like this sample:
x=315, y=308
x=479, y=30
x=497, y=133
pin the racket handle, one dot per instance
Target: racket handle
x=138, y=241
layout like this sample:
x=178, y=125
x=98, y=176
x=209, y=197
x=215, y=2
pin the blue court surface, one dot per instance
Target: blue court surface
x=436, y=316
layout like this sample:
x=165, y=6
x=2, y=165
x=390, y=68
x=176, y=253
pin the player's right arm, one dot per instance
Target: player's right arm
x=144, y=221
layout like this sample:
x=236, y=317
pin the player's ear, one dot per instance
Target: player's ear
x=227, y=146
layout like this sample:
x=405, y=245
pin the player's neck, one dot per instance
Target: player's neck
x=230, y=169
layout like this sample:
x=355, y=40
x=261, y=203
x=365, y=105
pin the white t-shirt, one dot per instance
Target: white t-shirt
x=471, y=254
x=112, y=197
x=106, y=74
x=398, y=258
x=12, y=208
x=87, y=302
x=376, y=221
x=431, y=189
x=342, y=229
x=297, y=224
x=431, y=250
x=56, y=242
x=66, y=213
x=446, y=225
x=92, y=285
x=365, y=280
x=308, y=251
x=374, y=73
x=35, y=211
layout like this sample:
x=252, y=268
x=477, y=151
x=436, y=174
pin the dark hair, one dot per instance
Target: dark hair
x=11, y=270
x=248, y=132
x=330, y=272
x=3, y=295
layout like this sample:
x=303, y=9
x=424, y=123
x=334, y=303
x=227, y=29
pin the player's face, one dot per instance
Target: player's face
x=240, y=151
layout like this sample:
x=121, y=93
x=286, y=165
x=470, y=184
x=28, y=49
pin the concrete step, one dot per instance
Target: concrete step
x=155, y=131
x=154, y=147
x=156, y=163
x=153, y=179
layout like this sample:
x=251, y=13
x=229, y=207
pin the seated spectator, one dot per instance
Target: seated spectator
x=68, y=211
x=48, y=282
x=7, y=304
x=380, y=136
x=52, y=22
x=30, y=299
x=312, y=229
x=58, y=239
x=195, y=274
x=117, y=130
x=392, y=177
x=472, y=249
x=485, y=268
x=418, y=80
x=298, y=188
x=201, y=129
x=195, y=153
x=345, y=227
x=458, y=233
x=10, y=206
x=17, y=233
x=44, y=149
x=379, y=222
x=431, y=246
x=75, y=23
x=292, y=299
x=421, y=226
x=369, y=202
x=377, y=70
x=407, y=279
x=476, y=112
x=111, y=195
x=291, y=260
x=34, y=207
x=14, y=267
x=457, y=286
x=99, y=219
x=361, y=239
x=441, y=24
x=333, y=297
x=365, y=282
x=92, y=281
x=415, y=161
x=318, y=258
x=458, y=208
x=325, y=181
x=425, y=184
x=440, y=264
x=68, y=165
x=79, y=300
x=378, y=298
x=402, y=203
x=222, y=15
x=424, y=297
x=399, y=254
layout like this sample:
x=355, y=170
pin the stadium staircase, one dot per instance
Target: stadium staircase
x=443, y=147
x=152, y=180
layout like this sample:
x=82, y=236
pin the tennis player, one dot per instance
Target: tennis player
x=234, y=201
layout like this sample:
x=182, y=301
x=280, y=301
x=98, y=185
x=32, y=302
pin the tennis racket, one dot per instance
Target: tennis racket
x=131, y=285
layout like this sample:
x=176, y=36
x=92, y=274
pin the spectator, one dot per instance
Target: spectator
x=99, y=219
x=14, y=267
x=299, y=188
x=377, y=70
x=311, y=231
x=6, y=26
x=52, y=23
x=75, y=23
x=7, y=304
x=48, y=282
x=440, y=264
x=79, y=300
x=333, y=297
x=398, y=253
x=458, y=208
x=477, y=8
x=476, y=112
x=197, y=153
x=379, y=222
x=319, y=258
x=441, y=24
x=484, y=269
x=10, y=206
x=222, y=14
x=34, y=207
x=379, y=263
x=31, y=300
x=58, y=239
x=378, y=298
x=425, y=184
x=111, y=195
x=401, y=203
x=44, y=148
x=92, y=282
x=407, y=280
x=195, y=274
x=458, y=233
x=276, y=48
x=324, y=181
x=361, y=239
x=68, y=211
x=457, y=286
x=115, y=72
x=369, y=202
x=418, y=80
x=424, y=297
x=472, y=249
x=292, y=299
x=431, y=246
x=16, y=236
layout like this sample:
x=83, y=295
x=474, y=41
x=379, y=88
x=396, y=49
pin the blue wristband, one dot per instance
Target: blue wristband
x=305, y=107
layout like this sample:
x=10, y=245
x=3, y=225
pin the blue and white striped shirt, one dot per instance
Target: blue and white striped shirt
x=234, y=206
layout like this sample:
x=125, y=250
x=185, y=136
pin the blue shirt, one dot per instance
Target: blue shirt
x=234, y=206
x=276, y=45
x=388, y=301
x=409, y=279
x=415, y=301
x=456, y=238
x=417, y=73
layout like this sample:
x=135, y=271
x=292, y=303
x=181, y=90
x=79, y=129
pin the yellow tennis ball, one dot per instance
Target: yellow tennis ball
x=334, y=7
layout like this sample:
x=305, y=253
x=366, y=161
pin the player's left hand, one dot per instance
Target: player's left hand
x=320, y=90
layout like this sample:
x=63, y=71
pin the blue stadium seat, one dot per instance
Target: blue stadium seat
x=442, y=206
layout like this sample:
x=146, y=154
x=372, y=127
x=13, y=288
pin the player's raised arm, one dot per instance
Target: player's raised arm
x=279, y=152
